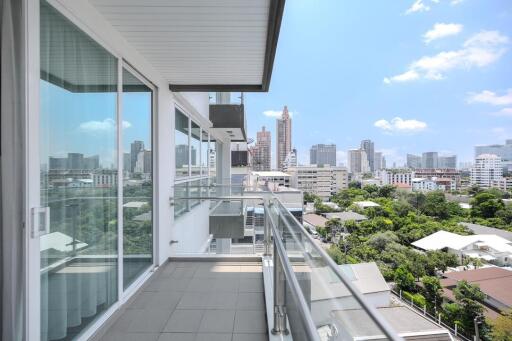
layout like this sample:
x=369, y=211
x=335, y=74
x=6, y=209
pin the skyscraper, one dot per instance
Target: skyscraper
x=413, y=161
x=283, y=137
x=357, y=161
x=487, y=169
x=291, y=160
x=504, y=151
x=323, y=154
x=135, y=148
x=377, y=161
x=449, y=161
x=429, y=160
x=261, y=157
x=368, y=147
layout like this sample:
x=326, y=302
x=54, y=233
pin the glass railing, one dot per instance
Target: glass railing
x=226, y=97
x=313, y=298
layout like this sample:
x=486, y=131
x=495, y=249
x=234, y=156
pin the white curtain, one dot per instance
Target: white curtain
x=11, y=169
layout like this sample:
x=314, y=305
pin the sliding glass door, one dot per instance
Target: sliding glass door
x=99, y=235
x=137, y=111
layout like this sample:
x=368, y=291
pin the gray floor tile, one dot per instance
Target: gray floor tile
x=222, y=300
x=250, y=321
x=142, y=320
x=185, y=321
x=168, y=284
x=250, y=285
x=177, y=337
x=217, y=321
x=250, y=301
x=250, y=337
x=119, y=336
x=183, y=273
x=226, y=285
x=201, y=285
x=194, y=300
x=214, y=337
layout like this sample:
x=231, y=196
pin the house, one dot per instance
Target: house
x=487, y=247
x=366, y=204
x=494, y=282
x=314, y=220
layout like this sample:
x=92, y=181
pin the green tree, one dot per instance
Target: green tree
x=436, y=205
x=486, y=205
x=469, y=296
x=387, y=191
x=404, y=279
x=354, y=184
x=432, y=291
x=502, y=327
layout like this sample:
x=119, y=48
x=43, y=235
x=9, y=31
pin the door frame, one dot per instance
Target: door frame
x=32, y=287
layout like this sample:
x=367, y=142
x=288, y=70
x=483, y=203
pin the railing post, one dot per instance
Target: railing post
x=266, y=227
x=279, y=296
x=455, y=329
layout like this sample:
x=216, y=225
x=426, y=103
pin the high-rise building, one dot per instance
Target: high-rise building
x=291, y=160
x=135, y=148
x=357, y=161
x=321, y=181
x=504, y=151
x=74, y=161
x=283, y=137
x=369, y=148
x=384, y=163
x=413, y=161
x=261, y=156
x=126, y=162
x=486, y=170
x=449, y=161
x=143, y=164
x=323, y=154
x=377, y=161
x=429, y=160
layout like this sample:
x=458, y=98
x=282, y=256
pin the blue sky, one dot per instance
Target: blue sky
x=351, y=70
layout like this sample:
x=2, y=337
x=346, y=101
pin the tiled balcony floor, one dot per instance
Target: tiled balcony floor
x=195, y=301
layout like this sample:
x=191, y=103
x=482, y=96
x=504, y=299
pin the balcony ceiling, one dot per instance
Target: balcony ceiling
x=202, y=45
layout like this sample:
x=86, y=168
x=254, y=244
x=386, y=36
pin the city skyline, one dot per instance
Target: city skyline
x=450, y=112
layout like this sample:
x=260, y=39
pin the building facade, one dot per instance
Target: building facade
x=413, y=161
x=291, y=160
x=321, y=181
x=377, y=159
x=283, y=138
x=323, y=154
x=441, y=174
x=449, y=161
x=504, y=151
x=261, y=153
x=486, y=170
x=396, y=176
x=429, y=160
x=357, y=161
x=369, y=147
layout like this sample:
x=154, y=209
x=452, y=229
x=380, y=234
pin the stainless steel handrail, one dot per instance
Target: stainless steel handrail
x=377, y=318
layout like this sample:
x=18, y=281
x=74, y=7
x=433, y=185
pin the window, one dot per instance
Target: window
x=79, y=170
x=137, y=178
x=212, y=159
x=195, y=149
x=182, y=147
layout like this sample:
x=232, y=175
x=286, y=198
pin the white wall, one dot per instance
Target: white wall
x=191, y=230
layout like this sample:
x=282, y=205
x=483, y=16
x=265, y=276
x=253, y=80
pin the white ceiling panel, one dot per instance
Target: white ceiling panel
x=201, y=42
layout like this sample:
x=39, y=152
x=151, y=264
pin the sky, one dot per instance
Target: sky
x=411, y=75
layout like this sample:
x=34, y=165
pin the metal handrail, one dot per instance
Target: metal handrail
x=378, y=319
x=305, y=314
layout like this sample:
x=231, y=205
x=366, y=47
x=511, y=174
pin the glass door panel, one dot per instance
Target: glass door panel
x=78, y=170
x=137, y=178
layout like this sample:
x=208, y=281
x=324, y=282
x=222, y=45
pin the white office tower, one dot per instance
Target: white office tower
x=358, y=161
x=322, y=181
x=487, y=169
x=290, y=160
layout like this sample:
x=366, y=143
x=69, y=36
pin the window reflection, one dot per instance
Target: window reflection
x=195, y=149
x=181, y=144
x=137, y=178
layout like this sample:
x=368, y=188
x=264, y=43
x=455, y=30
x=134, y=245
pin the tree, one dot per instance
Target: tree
x=435, y=205
x=331, y=224
x=502, y=327
x=404, y=279
x=432, y=291
x=309, y=197
x=486, y=205
x=469, y=296
x=380, y=240
x=354, y=184
x=387, y=191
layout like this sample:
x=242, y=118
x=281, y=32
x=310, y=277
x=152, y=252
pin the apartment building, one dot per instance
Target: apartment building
x=358, y=161
x=504, y=151
x=441, y=174
x=486, y=170
x=261, y=152
x=321, y=181
x=323, y=154
x=396, y=176
x=283, y=138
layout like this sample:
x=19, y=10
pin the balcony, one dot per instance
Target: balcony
x=265, y=279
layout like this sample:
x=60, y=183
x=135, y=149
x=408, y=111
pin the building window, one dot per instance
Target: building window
x=182, y=144
x=195, y=149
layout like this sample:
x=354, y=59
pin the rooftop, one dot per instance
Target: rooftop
x=315, y=220
x=443, y=239
x=345, y=216
x=481, y=229
x=365, y=204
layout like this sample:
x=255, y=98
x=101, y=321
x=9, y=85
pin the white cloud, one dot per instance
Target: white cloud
x=441, y=30
x=276, y=113
x=399, y=125
x=456, y=2
x=418, y=6
x=505, y=112
x=492, y=98
x=403, y=77
x=107, y=125
x=480, y=50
